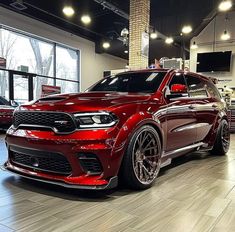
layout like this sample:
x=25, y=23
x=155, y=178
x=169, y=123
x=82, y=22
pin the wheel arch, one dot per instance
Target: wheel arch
x=215, y=129
x=137, y=123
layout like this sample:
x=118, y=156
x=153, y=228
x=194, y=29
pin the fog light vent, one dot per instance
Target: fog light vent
x=90, y=163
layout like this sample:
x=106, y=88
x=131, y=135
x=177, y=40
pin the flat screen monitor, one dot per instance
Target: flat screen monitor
x=214, y=61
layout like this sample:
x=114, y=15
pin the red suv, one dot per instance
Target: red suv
x=6, y=114
x=125, y=126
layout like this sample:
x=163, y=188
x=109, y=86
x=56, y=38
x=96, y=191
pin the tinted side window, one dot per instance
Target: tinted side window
x=213, y=91
x=196, y=86
x=177, y=79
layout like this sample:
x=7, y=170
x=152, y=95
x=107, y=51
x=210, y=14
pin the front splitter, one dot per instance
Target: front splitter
x=113, y=182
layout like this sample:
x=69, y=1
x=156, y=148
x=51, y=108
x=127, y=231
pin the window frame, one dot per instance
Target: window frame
x=169, y=82
x=54, y=44
x=219, y=97
x=202, y=80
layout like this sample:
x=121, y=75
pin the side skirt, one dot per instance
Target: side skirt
x=167, y=156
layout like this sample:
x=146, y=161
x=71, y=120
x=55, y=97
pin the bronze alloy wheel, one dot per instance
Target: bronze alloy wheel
x=146, y=156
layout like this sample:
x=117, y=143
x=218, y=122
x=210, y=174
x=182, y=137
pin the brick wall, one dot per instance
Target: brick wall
x=139, y=23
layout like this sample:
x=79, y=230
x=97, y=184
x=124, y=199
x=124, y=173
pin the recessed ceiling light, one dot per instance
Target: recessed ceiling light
x=153, y=35
x=187, y=29
x=194, y=46
x=169, y=40
x=86, y=19
x=106, y=45
x=225, y=5
x=68, y=11
x=225, y=35
x=126, y=51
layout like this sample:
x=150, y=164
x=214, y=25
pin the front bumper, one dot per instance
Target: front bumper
x=98, y=142
x=5, y=122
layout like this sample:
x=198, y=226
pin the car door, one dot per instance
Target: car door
x=205, y=106
x=181, y=118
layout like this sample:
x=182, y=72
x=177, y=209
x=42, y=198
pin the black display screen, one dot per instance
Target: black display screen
x=214, y=61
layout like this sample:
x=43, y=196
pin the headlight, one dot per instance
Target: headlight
x=95, y=120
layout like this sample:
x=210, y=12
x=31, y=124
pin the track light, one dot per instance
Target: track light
x=124, y=32
x=126, y=52
x=19, y=5
x=225, y=5
x=86, y=19
x=68, y=11
x=187, y=29
x=225, y=35
x=106, y=45
x=169, y=40
x=194, y=46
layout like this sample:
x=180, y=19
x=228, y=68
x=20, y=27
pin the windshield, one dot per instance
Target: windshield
x=142, y=82
x=3, y=101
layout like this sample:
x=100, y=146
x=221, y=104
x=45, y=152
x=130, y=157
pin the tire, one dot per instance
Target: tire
x=141, y=163
x=222, y=142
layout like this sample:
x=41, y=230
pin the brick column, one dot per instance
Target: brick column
x=139, y=24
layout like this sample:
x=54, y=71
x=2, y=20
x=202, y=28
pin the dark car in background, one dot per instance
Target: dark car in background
x=6, y=114
x=126, y=126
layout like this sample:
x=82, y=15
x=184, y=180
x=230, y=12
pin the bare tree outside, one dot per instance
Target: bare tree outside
x=21, y=50
x=7, y=41
x=43, y=66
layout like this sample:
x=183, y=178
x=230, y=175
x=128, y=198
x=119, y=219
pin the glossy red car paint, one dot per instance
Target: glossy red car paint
x=180, y=123
x=6, y=115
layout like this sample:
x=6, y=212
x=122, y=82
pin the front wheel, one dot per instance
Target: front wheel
x=141, y=163
x=222, y=141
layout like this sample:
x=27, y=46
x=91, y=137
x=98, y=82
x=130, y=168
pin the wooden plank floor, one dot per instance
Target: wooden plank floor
x=195, y=194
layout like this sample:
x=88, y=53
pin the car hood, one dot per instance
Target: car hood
x=85, y=102
x=6, y=108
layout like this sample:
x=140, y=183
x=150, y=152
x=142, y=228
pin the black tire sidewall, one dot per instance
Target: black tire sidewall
x=218, y=148
x=128, y=173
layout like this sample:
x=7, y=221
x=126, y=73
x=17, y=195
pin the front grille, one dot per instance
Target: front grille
x=90, y=164
x=40, y=160
x=60, y=122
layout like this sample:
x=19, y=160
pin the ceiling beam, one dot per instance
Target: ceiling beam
x=126, y=16
x=110, y=6
x=121, y=13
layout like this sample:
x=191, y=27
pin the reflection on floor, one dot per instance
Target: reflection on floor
x=195, y=194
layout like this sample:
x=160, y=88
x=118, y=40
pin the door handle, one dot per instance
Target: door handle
x=191, y=107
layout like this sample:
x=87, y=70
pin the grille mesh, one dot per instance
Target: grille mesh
x=90, y=164
x=60, y=121
x=48, y=162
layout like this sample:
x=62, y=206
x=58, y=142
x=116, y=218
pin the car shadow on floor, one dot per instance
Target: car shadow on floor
x=13, y=182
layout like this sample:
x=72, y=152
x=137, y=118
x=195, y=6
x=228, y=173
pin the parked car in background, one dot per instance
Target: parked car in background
x=126, y=126
x=6, y=114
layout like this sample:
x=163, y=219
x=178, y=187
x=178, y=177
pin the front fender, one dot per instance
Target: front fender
x=131, y=125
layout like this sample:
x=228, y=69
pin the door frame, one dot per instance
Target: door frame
x=29, y=76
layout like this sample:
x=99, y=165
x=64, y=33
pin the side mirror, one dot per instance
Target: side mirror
x=178, y=88
x=14, y=103
x=176, y=91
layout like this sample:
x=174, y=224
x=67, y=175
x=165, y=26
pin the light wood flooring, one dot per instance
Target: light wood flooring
x=196, y=193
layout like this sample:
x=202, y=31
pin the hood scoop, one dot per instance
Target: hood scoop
x=51, y=99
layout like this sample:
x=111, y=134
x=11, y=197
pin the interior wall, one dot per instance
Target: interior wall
x=92, y=64
x=209, y=41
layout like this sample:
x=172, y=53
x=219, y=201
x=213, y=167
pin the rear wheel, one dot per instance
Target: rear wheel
x=222, y=141
x=141, y=163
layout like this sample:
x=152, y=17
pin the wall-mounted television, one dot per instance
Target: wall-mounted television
x=214, y=61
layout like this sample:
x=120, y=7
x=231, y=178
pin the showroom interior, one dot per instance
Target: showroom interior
x=51, y=55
